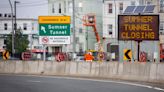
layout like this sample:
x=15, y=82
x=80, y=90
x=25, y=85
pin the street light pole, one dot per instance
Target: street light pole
x=74, y=33
x=15, y=24
x=15, y=2
x=12, y=28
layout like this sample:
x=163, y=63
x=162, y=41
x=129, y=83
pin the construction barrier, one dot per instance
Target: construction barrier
x=150, y=72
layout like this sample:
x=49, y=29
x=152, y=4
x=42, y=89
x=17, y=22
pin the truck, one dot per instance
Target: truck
x=90, y=20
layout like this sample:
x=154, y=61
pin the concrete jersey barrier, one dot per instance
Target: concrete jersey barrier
x=150, y=72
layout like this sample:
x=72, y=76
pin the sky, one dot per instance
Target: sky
x=26, y=8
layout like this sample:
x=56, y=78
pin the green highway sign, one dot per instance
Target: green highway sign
x=54, y=29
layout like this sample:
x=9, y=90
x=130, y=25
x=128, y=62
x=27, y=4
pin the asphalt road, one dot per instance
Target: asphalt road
x=13, y=83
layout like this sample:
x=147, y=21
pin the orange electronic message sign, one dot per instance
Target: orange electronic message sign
x=138, y=27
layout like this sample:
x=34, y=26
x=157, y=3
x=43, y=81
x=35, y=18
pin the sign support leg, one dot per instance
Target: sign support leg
x=138, y=49
x=44, y=53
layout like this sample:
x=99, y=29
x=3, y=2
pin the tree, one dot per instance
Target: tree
x=21, y=42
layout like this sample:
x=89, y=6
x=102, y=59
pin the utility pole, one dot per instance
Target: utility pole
x=74, y=33
x=12, y=28
x=44, y=53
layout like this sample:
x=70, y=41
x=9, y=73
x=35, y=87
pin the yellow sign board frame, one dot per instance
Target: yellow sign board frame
x=54, y=19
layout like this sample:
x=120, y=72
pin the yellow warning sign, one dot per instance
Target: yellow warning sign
x=6, y=55
x=127, y=54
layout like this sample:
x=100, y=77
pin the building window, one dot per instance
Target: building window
x=161, y=27
x=80, y=4
x=65, y=10
x=5, y=15
x=161, y=31
x=33, y=26
x=59, y=7
x=109, y=28
x=80, y=47
x=80, y=7
x=77, y=40
x=133, y=3
x=108, y=47
x=15, y=26
x=80, y=30
x=5, y=41
x=70, y=7
x=5, y=26
x=141, y=2
x=109, y=8
x=149, y=2
x=121, y=8
x=161, y=5
x=9, y=15
x=24, y=26
x=53, y=8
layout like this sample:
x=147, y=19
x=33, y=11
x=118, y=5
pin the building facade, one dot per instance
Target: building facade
x=28, y=27
x=85, y=38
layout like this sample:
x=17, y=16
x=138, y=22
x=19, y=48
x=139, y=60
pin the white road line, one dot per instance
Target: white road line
x=158, y=88
x=33, y=81
x=107, y=81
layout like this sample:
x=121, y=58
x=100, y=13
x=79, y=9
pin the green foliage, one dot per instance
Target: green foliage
x=21, y=42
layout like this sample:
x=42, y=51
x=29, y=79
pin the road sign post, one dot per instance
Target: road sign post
x=54, y=30
x=44, y=53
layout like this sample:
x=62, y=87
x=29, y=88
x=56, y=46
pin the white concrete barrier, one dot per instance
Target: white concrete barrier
x=40, y=69
x=19, y=67
x=83, y=68
x=9, y=67
x=2, y=67
x=153, y=72
x=73, y=68
x=160, y=72
x=95, y=67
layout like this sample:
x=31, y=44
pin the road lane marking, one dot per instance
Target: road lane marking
x=107, y=81
x=34, y=81
x=158, y=88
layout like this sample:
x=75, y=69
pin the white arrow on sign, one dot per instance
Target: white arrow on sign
x=43, y=29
